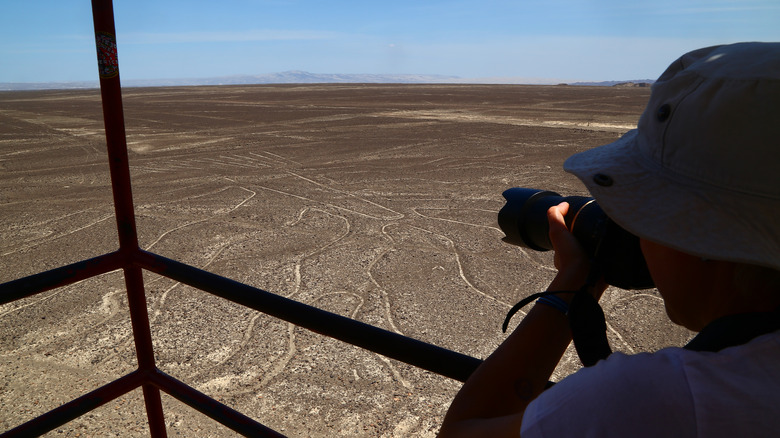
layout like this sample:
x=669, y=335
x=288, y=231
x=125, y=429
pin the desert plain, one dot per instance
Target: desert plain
x=377, y=202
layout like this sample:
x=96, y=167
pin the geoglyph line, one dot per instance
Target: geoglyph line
x=253, y=194
x=278, y=158
x=398, y=215
x=279, y=365
x=414, y=209
x=461, y=116
x=522, y=251
x=337, y=207
x=60, y=235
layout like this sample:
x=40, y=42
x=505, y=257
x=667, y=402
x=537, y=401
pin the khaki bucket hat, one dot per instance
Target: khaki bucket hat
x=701, y=173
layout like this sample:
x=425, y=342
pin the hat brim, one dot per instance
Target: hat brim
x=653, y=203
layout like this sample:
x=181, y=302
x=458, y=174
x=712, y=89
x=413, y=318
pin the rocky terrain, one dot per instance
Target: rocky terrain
x=377, y=202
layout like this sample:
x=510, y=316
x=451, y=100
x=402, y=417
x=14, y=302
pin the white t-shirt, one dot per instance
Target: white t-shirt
x=669, y=393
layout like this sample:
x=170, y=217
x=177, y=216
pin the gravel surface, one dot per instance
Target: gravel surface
x=377, y=202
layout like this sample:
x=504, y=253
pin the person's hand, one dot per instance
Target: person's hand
x=572, y=262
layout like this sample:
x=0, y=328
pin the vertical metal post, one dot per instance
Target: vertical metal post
x=136, y=299
x=113, y=116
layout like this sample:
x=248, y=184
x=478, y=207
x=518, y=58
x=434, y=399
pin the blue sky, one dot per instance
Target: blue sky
x=52, y=40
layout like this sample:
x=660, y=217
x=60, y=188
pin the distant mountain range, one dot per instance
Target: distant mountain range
x=302, y=77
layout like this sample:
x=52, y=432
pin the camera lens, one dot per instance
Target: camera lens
x=524, y=222
x=524, y=217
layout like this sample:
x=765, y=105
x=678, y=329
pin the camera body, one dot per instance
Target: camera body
x=616, y=251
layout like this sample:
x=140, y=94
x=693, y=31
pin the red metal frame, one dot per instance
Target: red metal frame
x=132, y=260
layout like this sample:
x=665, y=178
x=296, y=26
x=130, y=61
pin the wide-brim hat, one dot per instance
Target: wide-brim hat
x=701, y=173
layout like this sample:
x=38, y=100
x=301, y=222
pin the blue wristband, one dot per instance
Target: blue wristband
x=555, y=302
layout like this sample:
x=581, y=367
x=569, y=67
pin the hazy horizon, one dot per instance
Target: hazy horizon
x=304, y=77
x=560, y=40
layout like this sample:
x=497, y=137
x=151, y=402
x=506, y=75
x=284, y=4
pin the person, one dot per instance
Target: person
x=698, y=182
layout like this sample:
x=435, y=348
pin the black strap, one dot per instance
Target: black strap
x=527, y=300
x=588, y=329
x=588, y=326
x=732, y=330
x=586, y=320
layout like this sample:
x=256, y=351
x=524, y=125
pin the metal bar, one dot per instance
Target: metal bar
x=227, y=416
x=142, y=335
x=77, y=407
x=421, y=354
x=58, y=277
x=139, y=317
x=113, y=117
x=154, y=411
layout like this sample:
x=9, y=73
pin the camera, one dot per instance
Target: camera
x=616, y=251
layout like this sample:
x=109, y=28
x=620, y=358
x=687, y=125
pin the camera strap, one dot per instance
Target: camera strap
x=586, y=320
x=732, y=330
x=589, y=328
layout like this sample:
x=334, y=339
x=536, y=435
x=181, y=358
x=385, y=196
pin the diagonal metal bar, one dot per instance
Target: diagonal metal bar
x=226, y=415
x=77, y=407
x=421, y=354
x=58, y=277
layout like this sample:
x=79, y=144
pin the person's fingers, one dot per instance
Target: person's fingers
x=555, y=217
x=567, y=248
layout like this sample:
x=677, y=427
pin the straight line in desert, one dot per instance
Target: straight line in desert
x=460, y=116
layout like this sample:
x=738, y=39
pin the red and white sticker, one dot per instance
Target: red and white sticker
x=108, y=61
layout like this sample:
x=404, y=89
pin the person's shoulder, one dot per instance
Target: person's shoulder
x=629, y=382
x=671, y=367
x=765, y=348
x=615, y=396
x=670, y=392
x=648, y=373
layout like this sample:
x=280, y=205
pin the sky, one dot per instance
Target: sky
x=556, y=40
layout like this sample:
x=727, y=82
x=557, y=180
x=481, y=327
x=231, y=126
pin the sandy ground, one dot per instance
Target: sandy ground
x=377, y=202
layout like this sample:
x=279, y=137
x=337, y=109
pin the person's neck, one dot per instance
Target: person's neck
x=736, y=294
